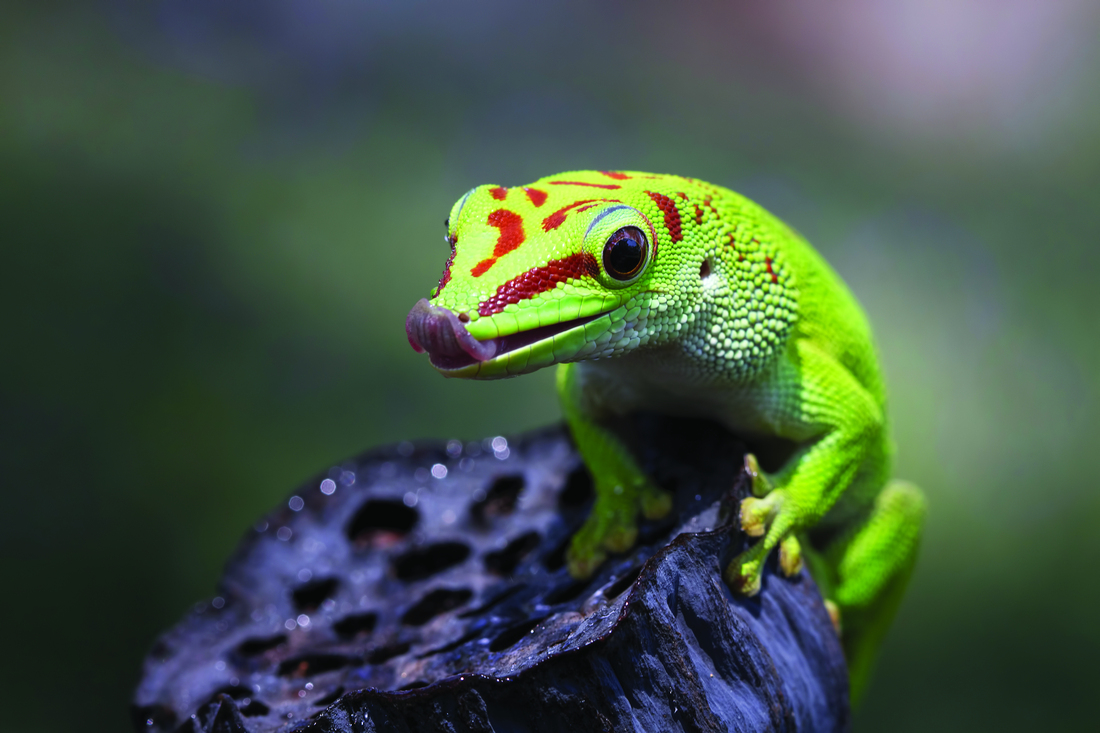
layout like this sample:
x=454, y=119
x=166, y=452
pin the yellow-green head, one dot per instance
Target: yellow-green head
x=579, y=265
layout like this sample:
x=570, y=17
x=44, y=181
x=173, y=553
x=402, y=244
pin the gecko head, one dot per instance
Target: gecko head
x=539, y=275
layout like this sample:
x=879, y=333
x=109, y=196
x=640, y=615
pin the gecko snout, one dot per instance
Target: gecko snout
x=439, y=332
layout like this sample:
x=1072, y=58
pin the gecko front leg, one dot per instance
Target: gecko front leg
x=842, y=434
x=622, y=489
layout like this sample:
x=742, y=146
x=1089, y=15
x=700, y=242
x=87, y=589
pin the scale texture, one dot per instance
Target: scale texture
x=423, y=588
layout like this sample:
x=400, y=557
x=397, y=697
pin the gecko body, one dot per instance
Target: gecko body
x=671, y=295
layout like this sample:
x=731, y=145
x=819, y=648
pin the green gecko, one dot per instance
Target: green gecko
x=676, y=296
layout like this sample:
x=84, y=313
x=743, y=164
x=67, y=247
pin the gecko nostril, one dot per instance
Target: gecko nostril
x=464, y=317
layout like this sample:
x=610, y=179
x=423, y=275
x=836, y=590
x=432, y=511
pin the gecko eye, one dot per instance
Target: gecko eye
x=624, y=253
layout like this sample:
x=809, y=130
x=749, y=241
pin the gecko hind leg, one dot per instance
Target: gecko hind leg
x=871, y=567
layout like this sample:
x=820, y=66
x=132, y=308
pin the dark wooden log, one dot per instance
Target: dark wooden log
x=423, y=588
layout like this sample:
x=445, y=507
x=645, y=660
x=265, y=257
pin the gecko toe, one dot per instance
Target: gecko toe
x=790, y=556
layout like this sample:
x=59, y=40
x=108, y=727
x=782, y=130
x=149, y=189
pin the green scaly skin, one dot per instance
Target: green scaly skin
x=733, y=317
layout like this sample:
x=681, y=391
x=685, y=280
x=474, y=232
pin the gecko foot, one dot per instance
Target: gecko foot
x=763, y=518
x=611, y=527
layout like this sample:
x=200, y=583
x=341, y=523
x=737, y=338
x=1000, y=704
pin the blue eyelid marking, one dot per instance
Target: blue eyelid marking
x=602, y=214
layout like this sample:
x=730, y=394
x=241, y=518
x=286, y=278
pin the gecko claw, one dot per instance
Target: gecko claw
x=761, y=486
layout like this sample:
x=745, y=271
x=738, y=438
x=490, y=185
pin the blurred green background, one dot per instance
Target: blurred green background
x=215, y=216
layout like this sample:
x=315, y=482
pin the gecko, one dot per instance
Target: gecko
x=671, y=295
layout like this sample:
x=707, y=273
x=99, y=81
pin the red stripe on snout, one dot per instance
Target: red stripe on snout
x=540, y=280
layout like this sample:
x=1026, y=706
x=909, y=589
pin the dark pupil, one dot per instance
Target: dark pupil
x=623, y=256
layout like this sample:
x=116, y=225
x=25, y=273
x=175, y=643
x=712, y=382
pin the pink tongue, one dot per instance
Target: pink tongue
x=439, y=332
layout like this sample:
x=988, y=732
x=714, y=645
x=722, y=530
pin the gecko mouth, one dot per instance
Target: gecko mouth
x=450, y=347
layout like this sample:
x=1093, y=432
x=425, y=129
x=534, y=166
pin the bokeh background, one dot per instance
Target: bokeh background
x=215, y=215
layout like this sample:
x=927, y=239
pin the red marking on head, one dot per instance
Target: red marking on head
x=556, y=219
x=511, y=236
x=540, y=280
x=768, y=262
x=582, y=183
x=510, y=225
x=672, y=215
x=709, y=205
x=483, y=267
x=683, y=196
x=616, y=175
x=447, y=268
x=698, y=214
x=538, y=198
x=498, y=193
